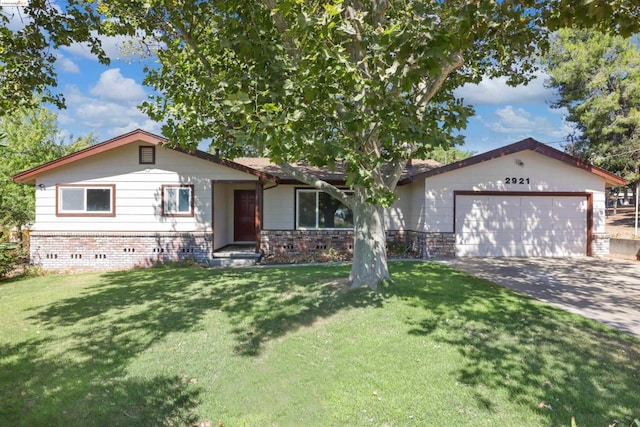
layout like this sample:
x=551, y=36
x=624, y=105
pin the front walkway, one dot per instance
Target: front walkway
x=606, y=290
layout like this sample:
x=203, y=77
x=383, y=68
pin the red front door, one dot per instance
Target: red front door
x=244, y=203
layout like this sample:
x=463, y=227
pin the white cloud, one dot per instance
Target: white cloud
x=562, y=111
x=520, y=123
x=110, y=109
x=66, y=64
x=113, y=86
x=496, y=91
x=17, y=17
x=513, y=120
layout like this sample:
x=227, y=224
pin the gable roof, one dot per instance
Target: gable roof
x=257, y=166
x=611, y=179
x=138, y=135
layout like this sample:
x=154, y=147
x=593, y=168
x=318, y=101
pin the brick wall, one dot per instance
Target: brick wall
x=295, y=242
x=426, y=245
x=115, y=251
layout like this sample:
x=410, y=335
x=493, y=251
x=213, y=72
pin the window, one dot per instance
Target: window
x=177, y=200
x=85, y=200
x=316, y=209
x=147, y=155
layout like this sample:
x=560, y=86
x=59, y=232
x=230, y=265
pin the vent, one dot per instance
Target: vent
x=147, y=155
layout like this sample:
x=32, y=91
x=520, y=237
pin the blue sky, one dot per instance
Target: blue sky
x=103, y=100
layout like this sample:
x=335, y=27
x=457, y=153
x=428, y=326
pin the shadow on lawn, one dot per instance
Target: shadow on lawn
x=85, y=382
x=542, y=357
x=130, y=311
x=509, y=343
x=39, y=388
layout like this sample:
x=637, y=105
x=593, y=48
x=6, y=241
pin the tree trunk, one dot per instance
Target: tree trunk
x=369, y=244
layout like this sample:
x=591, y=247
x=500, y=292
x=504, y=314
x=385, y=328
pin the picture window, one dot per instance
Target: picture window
x=85, y=200
x=318, y=210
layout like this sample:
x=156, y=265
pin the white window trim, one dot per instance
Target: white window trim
x=166, y=212
x=317, y=194
x=85, y=212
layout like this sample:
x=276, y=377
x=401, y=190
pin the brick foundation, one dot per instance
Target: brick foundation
x=115, y=251
x=296, y=242
x=426, y=245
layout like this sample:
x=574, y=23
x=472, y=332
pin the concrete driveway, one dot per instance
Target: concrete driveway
x=606, y=290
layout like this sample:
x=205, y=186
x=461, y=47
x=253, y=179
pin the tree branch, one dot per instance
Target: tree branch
x=379, y=12
x=395, y=167
x=313, y=181
x=278, y=19
x=281, y=25
x=428, y=91
x=181, y=32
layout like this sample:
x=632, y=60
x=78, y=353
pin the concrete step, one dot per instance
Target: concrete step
x=237, y=255
x=233, y=262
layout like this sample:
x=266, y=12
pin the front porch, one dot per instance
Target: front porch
x=236, y=218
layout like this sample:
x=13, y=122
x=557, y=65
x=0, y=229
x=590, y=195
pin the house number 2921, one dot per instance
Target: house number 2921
x=514, y=180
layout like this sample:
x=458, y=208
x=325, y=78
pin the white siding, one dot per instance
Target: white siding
x=138, y=191
x=397, y=217
x=221, y=198
x=543, y=172
x=417, y=206
x=279, y=208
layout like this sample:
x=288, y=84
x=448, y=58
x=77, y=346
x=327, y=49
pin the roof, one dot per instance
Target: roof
x=612, y=180
x=265, y=170
x=29, y=176
x=332, y=176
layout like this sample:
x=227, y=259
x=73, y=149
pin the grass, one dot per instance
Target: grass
x=291, y=346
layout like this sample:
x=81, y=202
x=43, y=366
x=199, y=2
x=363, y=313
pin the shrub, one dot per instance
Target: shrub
x=9, y=257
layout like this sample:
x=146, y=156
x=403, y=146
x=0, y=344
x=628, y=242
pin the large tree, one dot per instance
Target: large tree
x=32, y=137
x=368, y=84
x=597, y=76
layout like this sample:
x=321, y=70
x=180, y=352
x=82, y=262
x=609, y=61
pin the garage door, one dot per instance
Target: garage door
x=521, y=225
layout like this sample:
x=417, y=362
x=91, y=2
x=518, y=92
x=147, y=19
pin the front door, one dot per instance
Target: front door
x=244, y=208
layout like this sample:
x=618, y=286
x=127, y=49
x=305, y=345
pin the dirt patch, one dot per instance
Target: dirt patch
x=621, y=225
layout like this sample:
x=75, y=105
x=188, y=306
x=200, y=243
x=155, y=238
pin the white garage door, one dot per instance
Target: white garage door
x=521, y=226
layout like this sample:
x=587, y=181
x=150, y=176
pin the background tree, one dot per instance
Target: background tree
x=597, y=76
x=32, y=137
x=447, y=155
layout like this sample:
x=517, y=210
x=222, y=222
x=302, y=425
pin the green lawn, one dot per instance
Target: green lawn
x=291, y=346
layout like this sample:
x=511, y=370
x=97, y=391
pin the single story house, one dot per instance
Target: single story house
x=133, y=201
